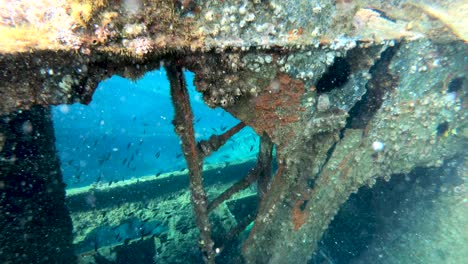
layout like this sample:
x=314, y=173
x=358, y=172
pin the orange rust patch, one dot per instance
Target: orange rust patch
x=325, y=42
x=278, y=106
x=294, y=34
x=299, y=214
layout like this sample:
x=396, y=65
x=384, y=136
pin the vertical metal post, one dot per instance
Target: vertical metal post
x=183, y=125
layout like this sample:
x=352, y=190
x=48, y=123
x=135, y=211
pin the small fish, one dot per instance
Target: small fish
x=134, y=168
x=141, y=142
x=251, y=148
x=144, y=131
x=214, y=129
x=134, y=118
x=157, y=174
x=223, y=128
x=110, y=183
x=124, y=161
x=104, y=158
x=158, y=154
x=145, y=124
x=145, y=220
x=182, y=169
x=178, y=155
x=226, y=156
x=197, y=120
x=129, y=144
x=132, y=157
x=126, y=241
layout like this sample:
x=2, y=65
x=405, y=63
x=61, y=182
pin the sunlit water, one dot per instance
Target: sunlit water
x=126, y=132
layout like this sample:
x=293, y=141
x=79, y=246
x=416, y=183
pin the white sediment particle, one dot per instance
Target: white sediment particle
x=209, y=16
x=250, y=17
x=317, y=9
x=27, y=127
x=378, y=146
x=242, y=23
x=242, y=10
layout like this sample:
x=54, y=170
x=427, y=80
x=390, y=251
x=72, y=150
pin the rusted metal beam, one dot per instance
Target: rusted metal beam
x=265, y=159
x=261, y=173
x=216, y=141
x=235, y=188
x=183, y=125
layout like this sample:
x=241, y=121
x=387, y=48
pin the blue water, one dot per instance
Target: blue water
x=126, y=132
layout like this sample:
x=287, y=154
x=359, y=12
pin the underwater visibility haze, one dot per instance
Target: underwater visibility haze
x=233, y=131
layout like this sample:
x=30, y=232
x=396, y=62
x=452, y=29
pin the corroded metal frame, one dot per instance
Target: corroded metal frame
x=195, y=153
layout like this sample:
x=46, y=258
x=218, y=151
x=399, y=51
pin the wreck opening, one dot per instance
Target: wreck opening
x=121, y=117
x=111, y=145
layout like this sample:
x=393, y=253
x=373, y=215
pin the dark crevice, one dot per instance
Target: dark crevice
x=335, y=77
x=365, y=109
x=382, y=14
x=442, y=128
x=382, y=82
x=455, y=84
x=329, y=155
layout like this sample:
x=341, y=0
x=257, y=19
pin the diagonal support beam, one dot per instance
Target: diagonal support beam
x=183, y=125
x=216, y=141
x=261, y=173
x=235, y=188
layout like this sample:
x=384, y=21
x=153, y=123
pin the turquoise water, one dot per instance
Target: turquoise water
x=126, y=132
